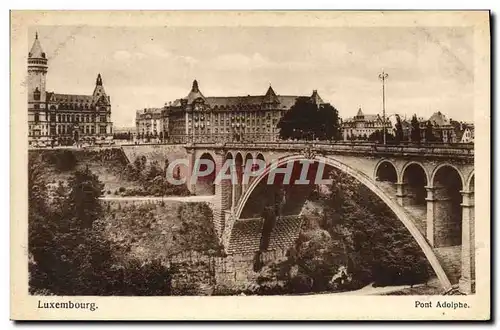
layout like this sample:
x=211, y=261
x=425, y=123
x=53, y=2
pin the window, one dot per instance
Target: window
x=102, y=118
x=37, y=117
x=36, y=94
x=102, y=129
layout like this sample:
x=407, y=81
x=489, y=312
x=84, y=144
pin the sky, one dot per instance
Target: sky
x=430, y=69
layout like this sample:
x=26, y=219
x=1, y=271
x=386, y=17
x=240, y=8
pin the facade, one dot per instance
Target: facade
x=149, y=123
x=250, y=118
x=64, y=119
x=361, y=126
x=468, y=135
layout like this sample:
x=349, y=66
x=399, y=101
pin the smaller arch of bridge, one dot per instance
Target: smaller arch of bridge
x=387, y=162
x=370, y=184
x=440, y=166
x=470, y=182
x=205, y=185
x=261, y=157
x=248, y=156
x=204, y=153
x=238, y=156
x=229, y=155
x=410, y=163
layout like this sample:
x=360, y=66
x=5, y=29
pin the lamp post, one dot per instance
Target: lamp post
x=383, y=76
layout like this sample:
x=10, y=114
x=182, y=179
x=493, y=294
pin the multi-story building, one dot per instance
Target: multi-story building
x=149, y=123
x=227, y=118
x=361, y=126
x=64, y=119
x=442, y=128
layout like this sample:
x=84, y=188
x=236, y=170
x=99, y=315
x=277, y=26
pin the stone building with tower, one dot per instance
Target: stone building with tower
x=64, y=119
x=200, y=118
x=361, y=126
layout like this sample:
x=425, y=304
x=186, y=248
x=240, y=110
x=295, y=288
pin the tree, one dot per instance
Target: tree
x=83, y=200
x=308, y=121
x=415, y=130
x=399, y=130
x=429, y=133
x=378, y=136
x=379, y=248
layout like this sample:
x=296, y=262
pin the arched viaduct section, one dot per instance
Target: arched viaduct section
x=430, y=190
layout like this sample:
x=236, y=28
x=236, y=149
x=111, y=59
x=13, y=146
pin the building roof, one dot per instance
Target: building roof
x=243, y=102
x=316, y=98
x=439, y=119
x=270, y=96
x=195, y=93
x=36, y=50
x=99, y=97
x=69, y=98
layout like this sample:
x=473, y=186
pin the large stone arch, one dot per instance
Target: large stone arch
x=370, y=184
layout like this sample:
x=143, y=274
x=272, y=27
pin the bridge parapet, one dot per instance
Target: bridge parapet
x=456, y=151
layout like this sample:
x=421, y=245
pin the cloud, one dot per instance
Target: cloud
x=237, y=61
x=122, y=55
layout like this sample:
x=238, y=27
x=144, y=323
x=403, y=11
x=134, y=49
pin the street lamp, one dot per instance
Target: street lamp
x=383, y=76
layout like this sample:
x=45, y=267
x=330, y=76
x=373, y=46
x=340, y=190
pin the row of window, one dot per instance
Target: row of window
x=64, y=118
x=63, y=129
x=227, y=130
x=237, y=116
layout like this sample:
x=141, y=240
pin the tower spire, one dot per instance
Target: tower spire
x=99, y=80
x=195, y=87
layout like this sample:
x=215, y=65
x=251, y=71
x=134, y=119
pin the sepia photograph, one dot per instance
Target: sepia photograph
x=244, y=157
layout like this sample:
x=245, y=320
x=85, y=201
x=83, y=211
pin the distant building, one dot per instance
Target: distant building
x=361, y=126
x=442, y=128
x=149, y=123
x=64, y=119
x=227, y=118
x=464, y=132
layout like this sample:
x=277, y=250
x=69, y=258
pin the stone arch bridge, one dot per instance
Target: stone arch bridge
x=430, y=188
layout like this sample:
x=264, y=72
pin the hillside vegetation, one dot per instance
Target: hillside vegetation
x=112, y=168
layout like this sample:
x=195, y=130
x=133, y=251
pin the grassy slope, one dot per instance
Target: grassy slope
x=144, y=231
x=151, y=231
x=109, y=171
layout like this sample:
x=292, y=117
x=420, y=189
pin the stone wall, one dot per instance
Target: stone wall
x=197, y=273
x=157, y=152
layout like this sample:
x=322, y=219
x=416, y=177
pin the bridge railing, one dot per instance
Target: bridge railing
x=337, y=146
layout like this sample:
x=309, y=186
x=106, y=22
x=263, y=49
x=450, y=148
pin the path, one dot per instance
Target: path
x=187, y=199
x=370, y=290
